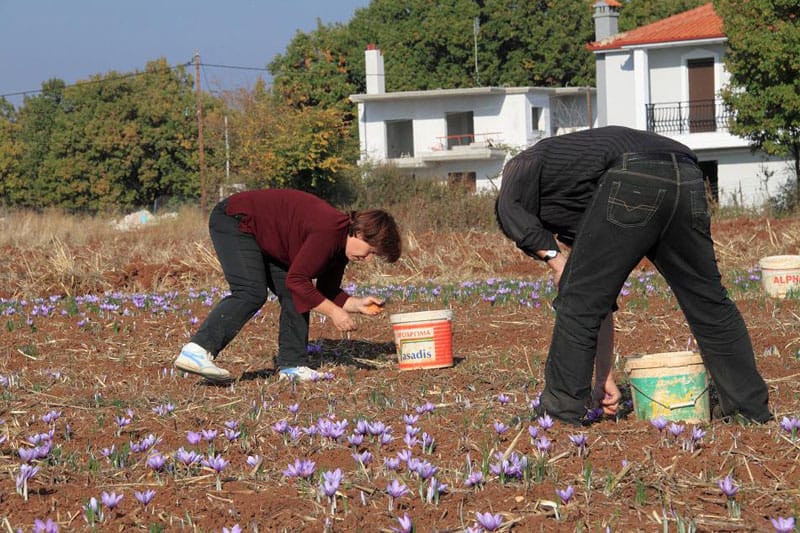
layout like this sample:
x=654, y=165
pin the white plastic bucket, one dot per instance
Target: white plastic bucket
x=423, y=339
x=780, y=274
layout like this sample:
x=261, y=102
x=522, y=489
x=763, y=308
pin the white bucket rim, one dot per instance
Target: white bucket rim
x=780, y=262
x=421, y=316
x=662, y=360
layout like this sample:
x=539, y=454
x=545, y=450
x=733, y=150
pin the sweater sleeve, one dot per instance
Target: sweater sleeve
x=518, y=207
x=316, y=259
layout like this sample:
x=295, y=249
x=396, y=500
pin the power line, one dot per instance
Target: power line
x=134, y=74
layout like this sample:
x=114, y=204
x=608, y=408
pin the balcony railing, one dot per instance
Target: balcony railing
x=696, y=116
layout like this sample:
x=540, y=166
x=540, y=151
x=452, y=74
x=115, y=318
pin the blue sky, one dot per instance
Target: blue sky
x=74, y=39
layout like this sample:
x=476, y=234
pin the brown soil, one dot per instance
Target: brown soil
x=92, y=361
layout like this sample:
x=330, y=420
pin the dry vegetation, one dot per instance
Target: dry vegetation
x=632, y=478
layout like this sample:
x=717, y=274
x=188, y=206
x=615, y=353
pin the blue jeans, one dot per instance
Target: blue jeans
x=655, y=209
x=249, y=273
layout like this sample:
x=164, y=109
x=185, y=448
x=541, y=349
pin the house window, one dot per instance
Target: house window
x=399, y=139
x=702, y=108
x=536, y=115
x=462, y=179
x=460, y=129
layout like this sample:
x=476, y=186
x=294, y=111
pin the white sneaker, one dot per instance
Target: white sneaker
x=196, y=360
x=298, y=373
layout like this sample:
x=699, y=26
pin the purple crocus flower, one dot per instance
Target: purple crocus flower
x=503, y=399
x=435, y=488
x=533, y=431
x=50, y=417
x=232, y=434
x=302, y=468
x=235, y=529
x=659, y=423
x=474, y=479
x=26, y=472
x=208, y=434
x=330, y=482
x=543, y=444
x=427, y=407
x=410, y=419
x=253, y=460
x=566, y=494
x=364, y=458
x=144, y=497
x=727, y=486
x=783, y=525
x=410, y=440
x=231, y=424
x=489, y=521
x=27, y=454
x=579, y=441
x=216, y=463
x=405, y=524
x=500, y=428
x=110, y=499
x=193, y=437
x=425, y=470
x=405, y=455
x=675, y=429
x=107, y=452
x=376, y=428
x=428, y=442
x=697, y=434
x=294, y=408
x=356, y=439
x=391, y=463
x=156, y=462
x=45, y=527
x=395, y=489
x=188, y=458
x=545, y=422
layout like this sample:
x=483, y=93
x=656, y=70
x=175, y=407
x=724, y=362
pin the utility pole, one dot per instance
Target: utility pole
x=203, y=199
x=475, y=28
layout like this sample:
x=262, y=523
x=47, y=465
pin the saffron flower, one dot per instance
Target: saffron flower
x=503, y=399
x=144, y=497
x=364, y=458
x=235, y=529
x=156, y=462
x=208, y=434
x=545, y=422
x=391, y=463
x=110, y=499
x=727, y=486
x=500, y=428
x=216, y=463
x=580, y=442
x=45, y=527
x=566, y=494
x=405, y=524
x=188, y=458
x=675, y=429
x=435, y=488
x=659, y=423
x=26, y=472
x=330, y=484
x=474, y=479
x=395, y=490
x=302, y=468
x=193, y=437
x=783, y=525
x=410, y=419
x=533, y=431
x=489, y=521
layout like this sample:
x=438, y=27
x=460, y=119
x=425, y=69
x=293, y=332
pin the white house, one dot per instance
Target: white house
x=462, y=135
x=666, y=77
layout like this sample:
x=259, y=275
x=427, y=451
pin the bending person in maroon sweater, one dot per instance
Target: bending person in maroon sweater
x=283, y=240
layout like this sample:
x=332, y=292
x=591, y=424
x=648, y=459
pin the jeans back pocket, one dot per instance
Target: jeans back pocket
x=632, y=206
x=701, y=217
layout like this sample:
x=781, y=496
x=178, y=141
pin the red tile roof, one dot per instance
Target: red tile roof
x=698, y=23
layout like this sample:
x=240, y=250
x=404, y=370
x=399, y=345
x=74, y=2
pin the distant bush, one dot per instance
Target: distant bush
x=423, y=204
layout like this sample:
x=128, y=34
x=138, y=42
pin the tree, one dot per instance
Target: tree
x=277, y=145
x=762, y=58
x=635, y=13
x=10, y=150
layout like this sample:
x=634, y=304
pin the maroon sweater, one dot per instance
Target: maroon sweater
x=302, y=233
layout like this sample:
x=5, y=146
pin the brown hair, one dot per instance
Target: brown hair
x=379, y=230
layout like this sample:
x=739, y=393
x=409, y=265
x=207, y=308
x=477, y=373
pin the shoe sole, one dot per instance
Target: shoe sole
x=210, y=377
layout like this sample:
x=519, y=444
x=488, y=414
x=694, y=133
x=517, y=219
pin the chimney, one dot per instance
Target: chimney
x=373, y=61
x=606, y=19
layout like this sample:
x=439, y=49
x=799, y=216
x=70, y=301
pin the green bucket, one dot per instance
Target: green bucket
x=672, y=385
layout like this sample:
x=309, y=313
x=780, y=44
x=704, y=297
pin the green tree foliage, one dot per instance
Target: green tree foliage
x=10, y=150
x=115, y=141
x=278, y=145
x=764, y=63
x=431, y=44
x=637, y=13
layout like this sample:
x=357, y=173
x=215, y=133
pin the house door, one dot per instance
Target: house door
x=701, y=95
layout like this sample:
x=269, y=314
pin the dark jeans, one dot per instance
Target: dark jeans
x=655, y=209
x=249, y=273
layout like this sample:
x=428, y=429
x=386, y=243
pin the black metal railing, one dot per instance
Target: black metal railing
x=695, y=116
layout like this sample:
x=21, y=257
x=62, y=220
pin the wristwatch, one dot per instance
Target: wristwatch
x=549, y=254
